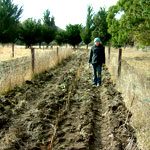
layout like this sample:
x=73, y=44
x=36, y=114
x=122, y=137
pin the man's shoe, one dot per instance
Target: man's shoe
x=98, y=84
x=94, y=83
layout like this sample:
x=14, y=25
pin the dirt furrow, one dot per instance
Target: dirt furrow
x=74, y=128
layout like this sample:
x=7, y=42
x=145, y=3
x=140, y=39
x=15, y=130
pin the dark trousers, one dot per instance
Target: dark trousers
x=97, y=68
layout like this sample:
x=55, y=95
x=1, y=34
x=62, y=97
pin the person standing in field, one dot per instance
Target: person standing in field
x=97, y=59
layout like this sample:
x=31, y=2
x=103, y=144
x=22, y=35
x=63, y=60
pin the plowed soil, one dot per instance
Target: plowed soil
x=61, y=110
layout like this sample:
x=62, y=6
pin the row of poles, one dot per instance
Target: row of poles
x=57, y=51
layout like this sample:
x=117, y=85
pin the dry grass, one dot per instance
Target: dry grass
x=15, y=75
x=134, y=84
x=6, y=52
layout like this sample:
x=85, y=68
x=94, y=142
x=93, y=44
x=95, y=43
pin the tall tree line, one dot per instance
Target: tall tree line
x=30, y=31
x=133, y=26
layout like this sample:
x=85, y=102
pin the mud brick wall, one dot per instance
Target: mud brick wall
x=13, y=68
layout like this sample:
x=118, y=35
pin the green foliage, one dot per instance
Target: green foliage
x=34, y=32
x=49, y=34
x=101, y=26
x=9, y=21
x=73, y=34
x=134, y=24
x=39, y=38
x=61, y=37
x=29, y=31
x=117, y=29
x=49, y=28
x=87, y=31
x=138, y=19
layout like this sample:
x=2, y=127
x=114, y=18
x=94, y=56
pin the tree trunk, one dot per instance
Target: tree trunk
x=40, y=45
x=13, y=50
x=87, y=46
x=47, y=46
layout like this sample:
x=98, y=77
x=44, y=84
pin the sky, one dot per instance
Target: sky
x=65, y=11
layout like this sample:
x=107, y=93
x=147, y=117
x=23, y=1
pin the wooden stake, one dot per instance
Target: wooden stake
x=33, y=59
x=57, y=51
x=119, y=62
x=13, y=50
x=58, y=54
x=108, y=54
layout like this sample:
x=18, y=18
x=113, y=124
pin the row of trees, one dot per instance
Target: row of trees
x=96, y=26
x=30, y=31
x=126, y=23
x=33, y=32
x=132, y=26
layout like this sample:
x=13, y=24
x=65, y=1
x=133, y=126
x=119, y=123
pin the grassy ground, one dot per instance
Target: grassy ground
x=6, y=52
x=134, y=83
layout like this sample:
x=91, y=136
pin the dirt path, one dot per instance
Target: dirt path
x=61, y=110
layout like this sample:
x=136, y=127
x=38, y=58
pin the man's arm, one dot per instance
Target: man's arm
x=91, y=55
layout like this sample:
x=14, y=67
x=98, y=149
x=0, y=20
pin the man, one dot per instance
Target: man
x=97, y=58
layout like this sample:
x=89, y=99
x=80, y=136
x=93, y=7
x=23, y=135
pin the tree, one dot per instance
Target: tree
x=119, y=34
x=39, y=37
x=101, y=26
x=49, y=34
x=29, y=32
x=134, y=24
x=9, y=21
x=61, y=37
x=73, y=34
x=87, y=31
x=137, y=19
x=49, y=28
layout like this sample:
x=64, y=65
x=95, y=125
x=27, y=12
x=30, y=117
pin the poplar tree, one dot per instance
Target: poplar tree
x=86, y=34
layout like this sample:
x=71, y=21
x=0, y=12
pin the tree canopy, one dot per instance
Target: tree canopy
x=49, y=28
x=133, y=25
x=73, y=34
x=61, y=37
x=29, y=32
x=9, y=21
x=34, y=32
x=101, y=26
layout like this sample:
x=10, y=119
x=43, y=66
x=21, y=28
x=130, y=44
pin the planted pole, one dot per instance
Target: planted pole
x=33, y=59
x=13, y=49
x=57, y=51
x=119, y=62
x=108, y=54
x=58, y=54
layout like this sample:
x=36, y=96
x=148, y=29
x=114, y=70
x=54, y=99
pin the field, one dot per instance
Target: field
x=134, y=84
x=61, y=109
